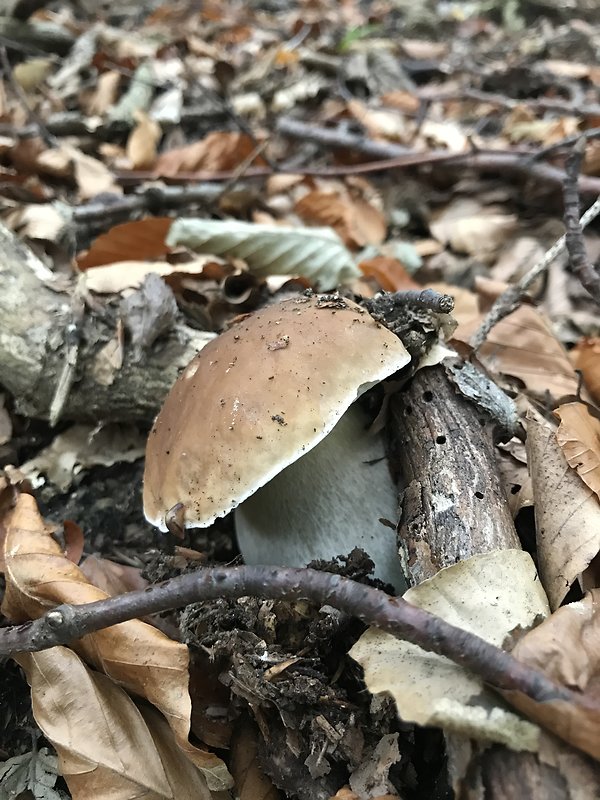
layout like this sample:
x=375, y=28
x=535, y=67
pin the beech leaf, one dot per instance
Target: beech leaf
x=314, y=253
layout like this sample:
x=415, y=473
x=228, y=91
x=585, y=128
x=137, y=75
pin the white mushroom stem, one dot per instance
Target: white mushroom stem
x=327, y=503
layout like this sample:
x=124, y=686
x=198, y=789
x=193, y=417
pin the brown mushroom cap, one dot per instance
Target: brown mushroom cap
x=258, y=397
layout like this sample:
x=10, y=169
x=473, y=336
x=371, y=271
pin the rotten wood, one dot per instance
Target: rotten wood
x=453, y=507
x=36, y=316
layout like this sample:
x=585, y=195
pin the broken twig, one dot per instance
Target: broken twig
x=511, y=298
x=574, y=242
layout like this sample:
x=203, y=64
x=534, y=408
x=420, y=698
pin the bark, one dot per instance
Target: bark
x=453, y=507
x=38, y=323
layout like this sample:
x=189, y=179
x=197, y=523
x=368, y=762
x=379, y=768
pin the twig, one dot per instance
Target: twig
x=575, y=244
x=568, y=141
x=540, y=103
x=523, y=684
x=511, y=298
x=67, y=622
x=517, y=162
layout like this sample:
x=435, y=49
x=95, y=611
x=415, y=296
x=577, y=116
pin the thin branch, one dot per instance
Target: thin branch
x=574, y=242
x=511, y=298
x=66, y=623
x=520, y=684
x=540, y=103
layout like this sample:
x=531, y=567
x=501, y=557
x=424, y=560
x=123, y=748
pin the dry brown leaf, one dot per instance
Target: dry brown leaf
x=74, y=541
x=390, y=274
x=105, y=94
x=111, y=577
x=142, y=239
x=218, y=152
x=523, y=346
x=355, y=220
x=579, y=438
x=567, y=512
x=143, y=141
x=381, y=122
x=402, y=100
x=107, y=747
x=586, y=357
x=470, y=227
x=114, y=278
x=136, y=655
x=251, y=783
x=91, y=175
x=566, y=646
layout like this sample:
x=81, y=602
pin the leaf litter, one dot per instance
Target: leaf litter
x=233, y=154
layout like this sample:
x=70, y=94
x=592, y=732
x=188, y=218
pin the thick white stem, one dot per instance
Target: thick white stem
x=325, y=504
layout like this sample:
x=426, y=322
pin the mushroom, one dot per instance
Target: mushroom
x=275, y=389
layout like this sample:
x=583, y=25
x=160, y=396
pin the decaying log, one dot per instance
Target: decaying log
x=453, y=507
x=39, y=321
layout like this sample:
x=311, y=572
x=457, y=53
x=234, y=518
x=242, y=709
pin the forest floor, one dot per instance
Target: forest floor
x=166, y=170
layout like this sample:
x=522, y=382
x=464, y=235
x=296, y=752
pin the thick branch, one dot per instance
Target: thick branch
x=454, y=507
x=35, y=321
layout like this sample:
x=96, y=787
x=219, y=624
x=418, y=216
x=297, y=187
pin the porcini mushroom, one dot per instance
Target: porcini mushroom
x=257, y=399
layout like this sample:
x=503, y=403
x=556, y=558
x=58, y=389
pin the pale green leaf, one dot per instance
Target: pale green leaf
x=314, y=253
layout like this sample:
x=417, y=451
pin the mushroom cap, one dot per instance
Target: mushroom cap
x=258, y=397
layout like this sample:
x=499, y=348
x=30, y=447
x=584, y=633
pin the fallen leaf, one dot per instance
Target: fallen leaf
x=74, y=541
x=390, y=273
x=115, y=278
x=251, y=783
x=523, y=346
x=566, y=646
x=314, y=253
x=111, y=577
x=586, y=357
x=220, y=151
x=579, y=438
x=36, y=771
x=107, y=746
x=33, y=72
x=382, y=122
x=143, y=238
x=488, y=595
x=472, y=228
x=134, y=654
x=42, y=221
x=142, y=142
x=82, y=446
x=370, y=780
x=104, y=94
x=446, y=134
x=567, y=512
x=356, y=221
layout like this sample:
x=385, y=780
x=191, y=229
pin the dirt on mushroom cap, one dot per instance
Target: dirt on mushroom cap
x=257, y=398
